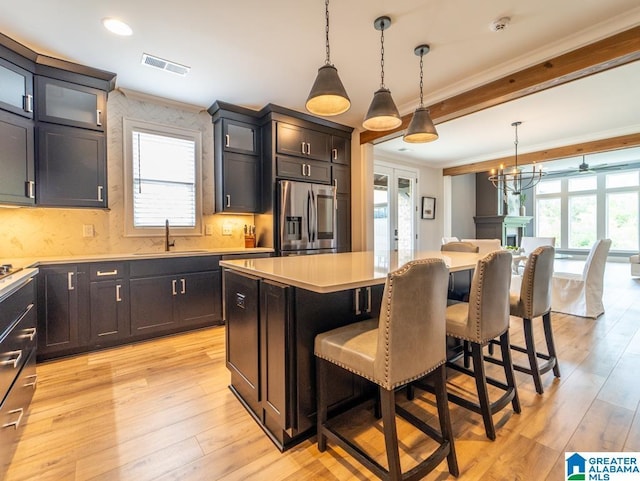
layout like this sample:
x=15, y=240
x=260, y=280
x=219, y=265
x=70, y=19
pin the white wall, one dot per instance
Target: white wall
x=463, y=206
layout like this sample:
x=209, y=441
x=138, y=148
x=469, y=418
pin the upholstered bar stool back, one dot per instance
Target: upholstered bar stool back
x=407, y=342
x=459, y=282
x=459, y=247
x=483, y=318
x=532, y=300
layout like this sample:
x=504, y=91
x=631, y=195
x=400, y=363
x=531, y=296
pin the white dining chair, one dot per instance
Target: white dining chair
x=446, y=240
x=528, y=245
x=581, y=294
x=485, y=245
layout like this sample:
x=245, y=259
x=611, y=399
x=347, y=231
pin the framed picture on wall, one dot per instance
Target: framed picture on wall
x=428, y=207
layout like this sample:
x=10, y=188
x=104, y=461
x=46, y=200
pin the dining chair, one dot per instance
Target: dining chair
x=485, y=245
x=581, y=294
x=483, y=318
x=530, y=299
x=529, y=244
x=407, y=342
x=450, y=239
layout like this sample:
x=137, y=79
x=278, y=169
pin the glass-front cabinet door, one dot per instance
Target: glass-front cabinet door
x=70, y=104
x=16, y=89
x=240, y=137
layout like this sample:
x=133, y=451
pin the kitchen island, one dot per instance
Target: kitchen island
x=274, y=308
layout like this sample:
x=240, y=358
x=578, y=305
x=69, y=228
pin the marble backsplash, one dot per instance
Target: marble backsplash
x=43, y=232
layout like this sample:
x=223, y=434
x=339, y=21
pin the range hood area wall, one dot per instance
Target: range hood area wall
x=42, y=232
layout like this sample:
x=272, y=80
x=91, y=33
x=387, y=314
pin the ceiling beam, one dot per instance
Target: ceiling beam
x=611, y=52
x=584, y=148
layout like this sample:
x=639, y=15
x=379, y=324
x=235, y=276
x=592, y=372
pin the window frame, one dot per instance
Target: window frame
x=128, y=127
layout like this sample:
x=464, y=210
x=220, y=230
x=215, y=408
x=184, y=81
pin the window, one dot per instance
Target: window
x=162, y=172
x=579, y=209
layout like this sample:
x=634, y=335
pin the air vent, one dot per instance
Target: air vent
x=166, y=65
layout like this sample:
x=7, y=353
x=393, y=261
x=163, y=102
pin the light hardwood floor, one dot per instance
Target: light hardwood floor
x=161, y=410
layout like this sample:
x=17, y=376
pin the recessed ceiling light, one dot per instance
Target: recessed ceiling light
x=117, y=26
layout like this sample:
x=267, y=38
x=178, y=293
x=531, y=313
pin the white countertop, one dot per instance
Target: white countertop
x=336, y=272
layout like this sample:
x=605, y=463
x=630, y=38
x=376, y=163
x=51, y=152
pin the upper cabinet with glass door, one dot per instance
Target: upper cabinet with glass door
x=240, y=137
x=70, y=104
x=16, y=91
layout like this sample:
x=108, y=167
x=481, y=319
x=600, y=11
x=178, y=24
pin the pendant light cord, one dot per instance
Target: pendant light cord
x=326, y=30
x=515, y=142
x=382, y=56
x=421, y=77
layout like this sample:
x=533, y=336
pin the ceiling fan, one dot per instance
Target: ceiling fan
x=583, y=168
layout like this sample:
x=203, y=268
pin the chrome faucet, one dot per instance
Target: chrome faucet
x=167, y=244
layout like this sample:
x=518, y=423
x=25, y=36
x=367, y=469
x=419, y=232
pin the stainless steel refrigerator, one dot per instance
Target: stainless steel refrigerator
x=306, y=218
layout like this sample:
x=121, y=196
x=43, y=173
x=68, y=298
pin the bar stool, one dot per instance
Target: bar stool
x=406, y=343
x=483, y=318
x=531, y=300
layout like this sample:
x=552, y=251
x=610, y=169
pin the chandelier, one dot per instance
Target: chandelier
x=517, y=179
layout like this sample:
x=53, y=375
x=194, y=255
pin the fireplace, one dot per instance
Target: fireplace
x=508, y=228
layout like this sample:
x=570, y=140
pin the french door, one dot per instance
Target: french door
x=394, y=208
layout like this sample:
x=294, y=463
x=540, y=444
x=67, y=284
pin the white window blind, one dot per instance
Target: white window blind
x=164, y=180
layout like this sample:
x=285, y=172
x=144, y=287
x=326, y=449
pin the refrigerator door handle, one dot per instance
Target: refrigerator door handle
x=314, y=223
x=309, y=208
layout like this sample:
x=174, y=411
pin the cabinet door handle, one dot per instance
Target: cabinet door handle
x=15, y=423
x=32, y=383
x=335, y=193
x=304, y=151
x=304, y=169
x=99, y=118
x=100, y=188
x=368, y=300
x=30, y=189
x=357, y=300
x=308, y=170
x=334, y=152
x=118, y=296
x=70, y=281
x=183, y=284
x=228, y=200
x=30, y=333
x=173, y=287
x=308, y=148
x=226, y=140
x=107, y=273
x=16, y=355
x=27, y=103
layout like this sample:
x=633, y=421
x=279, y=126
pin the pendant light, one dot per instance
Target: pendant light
x=518, y=179
x=421, y=128
x=328, y=96
x=383, y=113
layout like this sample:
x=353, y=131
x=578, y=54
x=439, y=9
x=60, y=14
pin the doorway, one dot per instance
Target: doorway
x=394, y=208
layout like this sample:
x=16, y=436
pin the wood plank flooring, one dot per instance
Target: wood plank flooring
x=162, y=410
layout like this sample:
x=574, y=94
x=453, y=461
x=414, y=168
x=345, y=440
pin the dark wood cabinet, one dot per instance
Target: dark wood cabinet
x=70, y=104
x=240, y=137
x=301, y=169
x=109, y=298
x=237, y=160
x=62, y=294
x=340, y=150
x=241, y=311
x=302, y=142
x=18, y=334
x=16, y=93
x=238, y=188
x=170, y=295
x=71, y=167
x=17, y=182
x=341, y=175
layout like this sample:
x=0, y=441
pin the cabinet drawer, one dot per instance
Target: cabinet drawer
x=106, y=270
x=307, y=170
x=14, y=411
x=13, y=306
x=16, y=346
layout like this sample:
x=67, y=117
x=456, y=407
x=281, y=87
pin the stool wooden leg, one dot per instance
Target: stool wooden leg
x=509, y=374
x=321, y=387
x=551, y=347
x=440, y=382
x=530, y=344
x=483, y=394
x=388, y=403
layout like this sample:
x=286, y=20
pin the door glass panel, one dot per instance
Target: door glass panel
x=12, y=87
x=622, y=220
x=582, y=221
x=381, y=212
x=240, y=137
x=70, y=104
x=405, y=211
